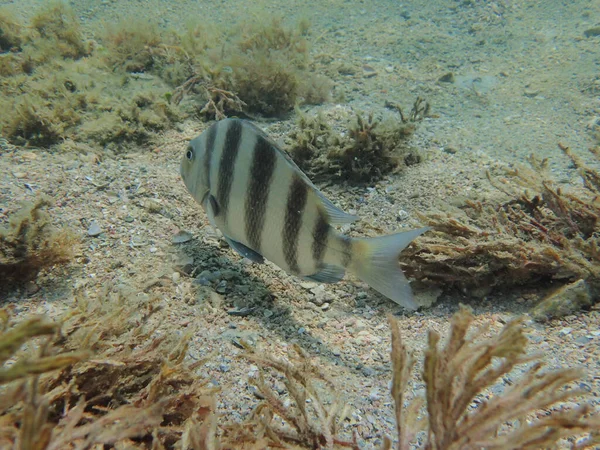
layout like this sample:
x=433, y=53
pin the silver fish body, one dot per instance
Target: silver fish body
x=265, y=206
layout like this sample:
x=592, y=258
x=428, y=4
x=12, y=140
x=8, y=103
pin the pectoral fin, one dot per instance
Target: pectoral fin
x=245, y=251
x=328, y=274
x=212, y=210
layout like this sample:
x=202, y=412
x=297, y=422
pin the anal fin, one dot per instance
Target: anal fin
x=327, y=274
x=245, y=251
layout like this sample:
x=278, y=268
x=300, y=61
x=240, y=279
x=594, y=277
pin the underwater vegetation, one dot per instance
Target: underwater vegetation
x=102, y=375
x=537, y=232
x=134, y=79
x=30, y=244
x=369, y=149
x=262, y=69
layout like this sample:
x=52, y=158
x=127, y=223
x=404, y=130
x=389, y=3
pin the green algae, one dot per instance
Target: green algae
x=133, y=79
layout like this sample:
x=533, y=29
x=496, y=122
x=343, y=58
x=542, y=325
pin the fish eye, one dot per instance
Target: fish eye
x=189, y=154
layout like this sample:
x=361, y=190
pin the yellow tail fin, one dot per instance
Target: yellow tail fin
x=377, y=265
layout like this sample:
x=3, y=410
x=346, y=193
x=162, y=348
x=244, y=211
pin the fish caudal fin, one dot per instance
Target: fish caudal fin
x=377, y=265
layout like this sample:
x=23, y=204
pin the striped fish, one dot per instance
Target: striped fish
x=265, y=206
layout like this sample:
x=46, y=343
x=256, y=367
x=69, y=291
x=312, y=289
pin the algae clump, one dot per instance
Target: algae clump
x=30, y=244
x=368, y=150
x=139, y=78
x=536, y=232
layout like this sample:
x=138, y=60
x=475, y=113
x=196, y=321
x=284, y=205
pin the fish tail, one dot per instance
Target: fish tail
x=377, y=265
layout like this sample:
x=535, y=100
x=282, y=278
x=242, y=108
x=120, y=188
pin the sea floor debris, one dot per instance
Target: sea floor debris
x=536, y=232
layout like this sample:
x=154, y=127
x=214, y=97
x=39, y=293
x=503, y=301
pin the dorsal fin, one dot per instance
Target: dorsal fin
x=335, y=214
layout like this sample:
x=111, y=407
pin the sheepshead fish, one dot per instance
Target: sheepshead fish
x=266, y=207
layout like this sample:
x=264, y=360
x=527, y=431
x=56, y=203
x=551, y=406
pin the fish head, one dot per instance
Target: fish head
x=193, y=169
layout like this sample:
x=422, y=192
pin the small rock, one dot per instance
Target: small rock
x=320, y=295
x=94, y=230
x=367, y=371
x=31, y=288
x=564, y=301
x=374, y=395
x=531, y=92
x=221, y=287
x=369, y=71
x=185, y=263
x=389, y=69
x=592, y=32
x=402, y=215
x=447, y=78
x=583, y=339
x=565, y=331
x=181, y=237
x=268, y=313
x=175, y=277
x=128, y=219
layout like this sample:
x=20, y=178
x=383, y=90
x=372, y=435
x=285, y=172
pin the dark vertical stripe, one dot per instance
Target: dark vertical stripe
x=320, y=235
x=259, y=184
x=346, y=250
x=211, y=135
x=227, y=164
x=296, y=201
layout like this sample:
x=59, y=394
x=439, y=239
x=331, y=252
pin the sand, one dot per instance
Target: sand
x=524, y=77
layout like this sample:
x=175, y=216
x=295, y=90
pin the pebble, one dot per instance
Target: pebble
x=583, y=339
x=184, y=263
x=175, y=277
x=402, y=215
x=374, y=395
x=367, y=371
x=530, y=92
x=94, y=230
x=320, y=295
x=222, y=287
x=565, y=331
x=181, y=237
x=368, y=71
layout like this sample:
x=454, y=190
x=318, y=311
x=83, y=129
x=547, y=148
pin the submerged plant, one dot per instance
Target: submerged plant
x=30, y=244
x=457, y=373
x=369, y=150
x=537, y=232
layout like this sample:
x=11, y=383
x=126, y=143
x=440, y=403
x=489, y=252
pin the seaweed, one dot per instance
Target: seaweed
x=30, y=244
x=52, y=94
x=536, y=232
x=56, y=26
x=308, y=421
x=11, y=32
x=123, y=382
x=11, y=39
x=132, y=45
x=262, y=69
x=106, y=375
x=458, y=373
x=368, y=151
